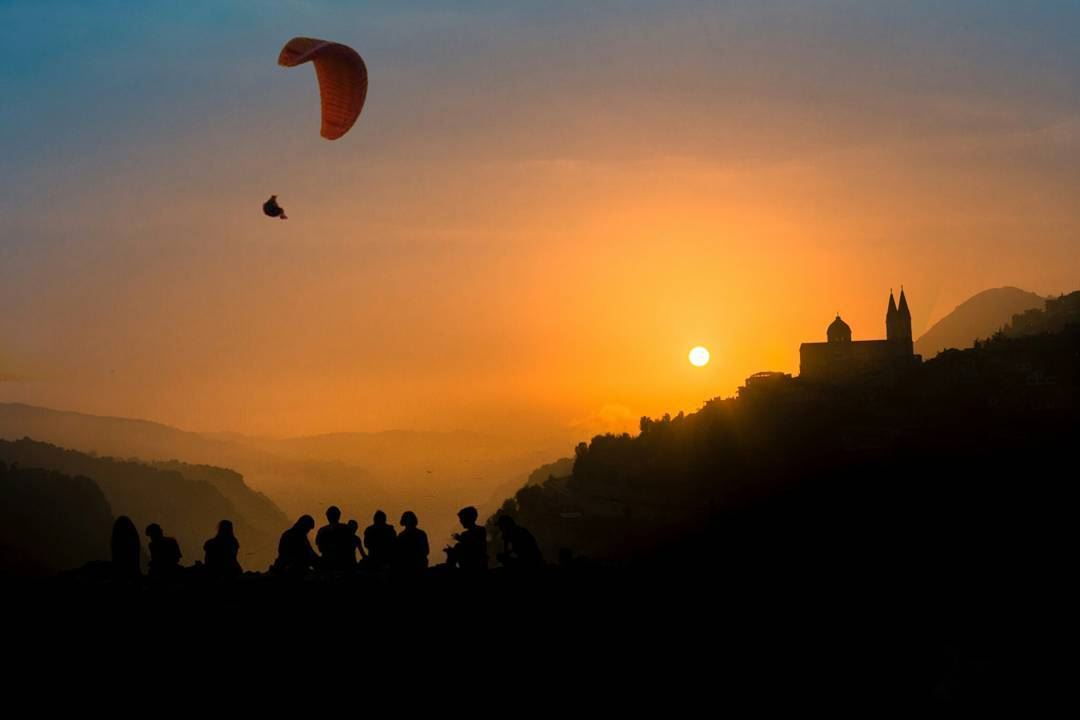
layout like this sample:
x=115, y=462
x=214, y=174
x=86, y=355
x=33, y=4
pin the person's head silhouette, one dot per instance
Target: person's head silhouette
x=408, y=519
x=153, y=531
x=379, y=518
x=306, y=523
x=225, y=528
x=353, y=526
x=468, y=516
x=506, y=523
x=333, y=514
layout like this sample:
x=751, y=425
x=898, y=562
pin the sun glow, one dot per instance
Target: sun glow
x=699, y=357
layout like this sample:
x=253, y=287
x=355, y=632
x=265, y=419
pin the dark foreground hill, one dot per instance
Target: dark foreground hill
x=50, y=522
x=603, y=637
x=954, y=476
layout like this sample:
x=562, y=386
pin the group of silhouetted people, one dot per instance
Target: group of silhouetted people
x=219, y=552
x=340, y=545
x=341, y=549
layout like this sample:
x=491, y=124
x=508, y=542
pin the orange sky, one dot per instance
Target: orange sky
x=512, y=238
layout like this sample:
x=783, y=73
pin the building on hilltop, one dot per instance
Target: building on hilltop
x=841, y=359
x=766, y=382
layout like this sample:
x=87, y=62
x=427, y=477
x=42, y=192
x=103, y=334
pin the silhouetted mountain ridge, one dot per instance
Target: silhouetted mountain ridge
x=431, y=473
x=296, y=486
x=184, y=499
x=980, y=316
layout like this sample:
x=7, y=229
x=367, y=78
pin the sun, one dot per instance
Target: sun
x=699, y=357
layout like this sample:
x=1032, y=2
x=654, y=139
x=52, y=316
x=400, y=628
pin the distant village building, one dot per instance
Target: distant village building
x=764, y=383
x=842, y=359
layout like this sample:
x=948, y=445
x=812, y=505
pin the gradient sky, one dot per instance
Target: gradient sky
x=543, y=207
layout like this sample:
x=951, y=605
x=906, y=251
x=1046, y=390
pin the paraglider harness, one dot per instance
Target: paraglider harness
x=272, y=209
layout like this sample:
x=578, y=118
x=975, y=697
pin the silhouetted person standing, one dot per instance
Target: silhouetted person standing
x=520, y=550
x=125, y=548
x=411, y=547
x=164, y=553
x=469, y=553
x=221, y=552
x=379, y=540
x=296, y=557
x=333, y=542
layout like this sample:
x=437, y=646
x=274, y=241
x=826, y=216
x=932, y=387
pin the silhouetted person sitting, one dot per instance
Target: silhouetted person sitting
x=221, y=551
x=379, y=540
x=272, y=209
x=469, y=553
x=411, y=547
x=164, y=553
x=334, y=543
x=355, y=542
x=126, y=548
x=520, y=550
x=296, y=557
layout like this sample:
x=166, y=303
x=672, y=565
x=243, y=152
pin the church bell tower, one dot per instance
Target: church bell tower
x=898, y=323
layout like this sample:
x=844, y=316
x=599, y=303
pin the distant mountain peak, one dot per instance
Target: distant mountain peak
x=979, y=316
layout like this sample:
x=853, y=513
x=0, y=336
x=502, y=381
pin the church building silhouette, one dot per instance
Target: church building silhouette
x=841, y=359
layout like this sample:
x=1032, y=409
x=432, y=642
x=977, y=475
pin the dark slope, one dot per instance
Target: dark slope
x=50, y=522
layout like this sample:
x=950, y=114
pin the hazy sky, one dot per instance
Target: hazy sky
x=543, y=207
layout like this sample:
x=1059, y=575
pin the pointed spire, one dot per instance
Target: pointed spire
x=903, y=304
x=892, y=305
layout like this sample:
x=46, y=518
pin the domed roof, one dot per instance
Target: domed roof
x=838, y=331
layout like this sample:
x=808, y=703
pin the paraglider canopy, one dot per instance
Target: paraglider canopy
x=342, y=80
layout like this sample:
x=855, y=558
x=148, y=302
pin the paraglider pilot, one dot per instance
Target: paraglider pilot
x=272, y=209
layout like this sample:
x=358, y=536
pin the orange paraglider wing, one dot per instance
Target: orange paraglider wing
x=342, y=80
